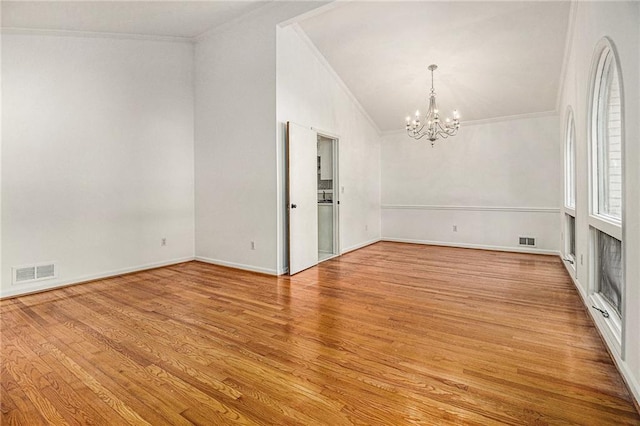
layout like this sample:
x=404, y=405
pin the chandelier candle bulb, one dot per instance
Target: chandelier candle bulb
x=433, y=129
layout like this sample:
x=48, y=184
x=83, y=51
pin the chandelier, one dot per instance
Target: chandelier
x=431, y=126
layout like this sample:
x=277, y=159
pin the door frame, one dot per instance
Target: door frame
x=336, y=189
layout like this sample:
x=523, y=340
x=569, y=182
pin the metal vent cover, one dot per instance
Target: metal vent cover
x=527, y=241
x=31, y=273
x=25, y=274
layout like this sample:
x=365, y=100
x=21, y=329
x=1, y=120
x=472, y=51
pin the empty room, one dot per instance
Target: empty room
x=320, y=213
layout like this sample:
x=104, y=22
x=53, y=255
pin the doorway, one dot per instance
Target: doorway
x=327, y=197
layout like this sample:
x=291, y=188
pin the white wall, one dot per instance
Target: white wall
x=494, y=181
x=620, y=22
x=97, y=164
x=309, y=93
x=236, y=147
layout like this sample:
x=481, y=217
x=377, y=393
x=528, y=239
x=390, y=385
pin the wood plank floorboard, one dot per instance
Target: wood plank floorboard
x=391, y=334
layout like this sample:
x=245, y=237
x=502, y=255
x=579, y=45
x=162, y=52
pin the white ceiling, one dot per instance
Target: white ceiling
x=153, y=18
x=495, y=59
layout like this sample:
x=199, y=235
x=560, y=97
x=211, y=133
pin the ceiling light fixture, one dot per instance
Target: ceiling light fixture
x=432, y=127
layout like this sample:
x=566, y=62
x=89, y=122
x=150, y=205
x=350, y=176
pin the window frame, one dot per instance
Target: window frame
x=615, y=321
x=604, y=52
x=570, y=189
x=570, y=164
x=570, y=234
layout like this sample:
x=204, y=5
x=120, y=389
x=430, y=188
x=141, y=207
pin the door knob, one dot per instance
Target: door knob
x=293, y=206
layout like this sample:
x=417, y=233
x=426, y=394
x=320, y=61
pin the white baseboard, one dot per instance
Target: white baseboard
x=632, y=382
x=625, y=371
x=283, y=271
x=242, y=266
x=474, y=246
x=359, y=246
x=39, y=287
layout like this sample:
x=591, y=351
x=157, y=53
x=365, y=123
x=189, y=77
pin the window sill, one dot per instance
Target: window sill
x=606, y=225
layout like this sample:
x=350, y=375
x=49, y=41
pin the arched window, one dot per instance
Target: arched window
x=607, y=132
x=606, y=189
x=570, y=189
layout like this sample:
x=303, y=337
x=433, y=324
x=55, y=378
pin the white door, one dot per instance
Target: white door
x=302, y=179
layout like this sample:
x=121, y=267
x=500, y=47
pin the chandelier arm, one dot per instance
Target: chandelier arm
x=431, y=126
x=417, y=136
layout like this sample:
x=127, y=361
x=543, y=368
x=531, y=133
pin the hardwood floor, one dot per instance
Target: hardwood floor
x=391, y=334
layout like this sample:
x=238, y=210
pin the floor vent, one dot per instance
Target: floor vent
x=31, y=273
x=527, y=241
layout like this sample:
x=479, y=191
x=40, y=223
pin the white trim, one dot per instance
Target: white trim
x=576, y=283
x=611, y=228
x=313, y=12
x=283, y=271
x=94, y=34
x=621, y=365
x=234, y=265
x=627, y=375
x=473, y=246
x=225, y=26
x=569, y=137
x=323, y=61
x=568, y=44
x=361, y=245
x=328, y=135
x=567, y=257
x=613, y=324
x=471, y=208
x=24, y=290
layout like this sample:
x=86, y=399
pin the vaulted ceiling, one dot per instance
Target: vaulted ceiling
x=495, y=59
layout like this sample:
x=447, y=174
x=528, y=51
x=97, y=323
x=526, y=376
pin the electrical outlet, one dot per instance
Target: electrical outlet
x=581, y=259
x=163, y=242
x=366, y=227
x=455, y=228
x=253, y=245
x=342, y=189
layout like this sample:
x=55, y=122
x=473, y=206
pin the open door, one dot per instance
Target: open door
x=302, y=199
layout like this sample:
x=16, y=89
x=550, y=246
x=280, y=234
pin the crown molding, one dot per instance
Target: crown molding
x=525, y=116
x=330, y=5
x=567, y=51
x=225, y=26
x=93, y=34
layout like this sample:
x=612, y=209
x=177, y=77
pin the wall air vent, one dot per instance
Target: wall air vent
x=31, y=273
x=527, y=241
